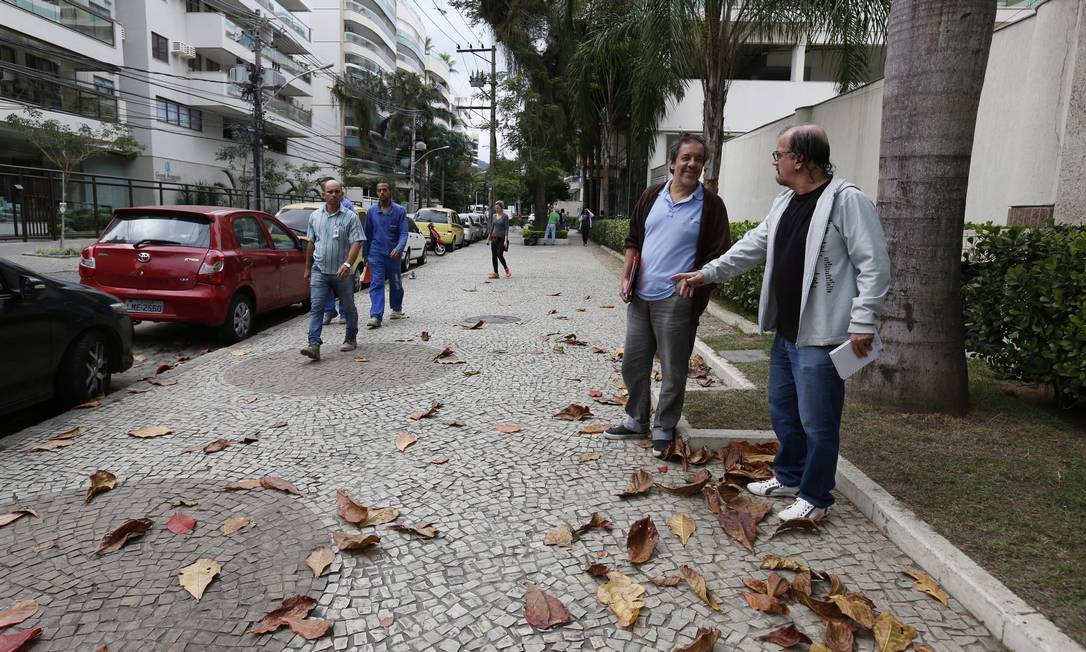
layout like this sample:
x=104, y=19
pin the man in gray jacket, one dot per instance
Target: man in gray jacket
x=826, y=273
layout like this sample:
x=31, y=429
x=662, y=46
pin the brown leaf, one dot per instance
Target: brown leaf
x=555, y=294
x=542, y=610
x=697, y=584
x=164, y=367
x=14, y=641
x=250, y=438
x=837, y=587
x=113, y=541
x=824, y=608
x=100, y=481
x=424, y=413
x=596, y=521
x=669, y=580
x=146, y=432
x=71, y=434
x=756, y=507
x=469, y=374
x=139, y=357
x=712, y=498
x=926, y=584
x=346, y=541
x=739, y=526
x=380, y=516
x=279, y=484
x=216, y=446
x=797, y=524
x=278, y=424
x=613, y=400
x=574, y=412
x=598, y=570
x=404, y=440
x=559, y=536
x=692, y=487
x=622, y=596
x=641, y=541
x=758, y=586
x=683, y=526
x=593, y=429
x=476, y=326
x=424, y=336
x=507, y=428
x=454, y=423
x=597, y=349
x=801, y=583
x=838, y=636
x=765, y=603
x=51, y=445
x=447, y=356
x=776, y=586
x=857, y=607
x=18, y=612
x=320, y=559
x=197, y=576
x=440, y=460
x=558, y=349
x=181, y=523
x=424, y=530
x=11, y=517
x=296, y=606
x=892, y=635
x=640, y=482
x=235, y=523
x=93, y=403
x=308, y=628
x=350, y=510
x=786, y=637
x=588, y=456
x=705, y=641
x=161, y=382
x=244, y=485
x=701, y=456
x=774, y=562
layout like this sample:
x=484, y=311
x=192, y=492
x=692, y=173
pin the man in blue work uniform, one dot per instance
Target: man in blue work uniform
x=386, y=238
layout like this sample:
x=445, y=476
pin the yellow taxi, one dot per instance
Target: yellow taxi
x=296, y=218
x=447, y=223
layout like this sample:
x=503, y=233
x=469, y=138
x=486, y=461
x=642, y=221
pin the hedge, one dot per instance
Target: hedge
x=1024, y=295
x=559, y=233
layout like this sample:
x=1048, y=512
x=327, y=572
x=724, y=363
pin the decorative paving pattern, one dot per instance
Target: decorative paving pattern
x=133, y=595
x=492, y=501
x=490, y=319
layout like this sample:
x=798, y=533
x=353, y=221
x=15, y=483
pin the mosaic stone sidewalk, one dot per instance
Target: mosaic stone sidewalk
x=492, y=502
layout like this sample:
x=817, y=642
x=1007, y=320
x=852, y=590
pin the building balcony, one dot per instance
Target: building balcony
x=289, y=20
x=219, y=38
x=69, y=24
x=404, y=40
x=278, y=106
x=53, y=94
x=369, y=48
x=373, y=21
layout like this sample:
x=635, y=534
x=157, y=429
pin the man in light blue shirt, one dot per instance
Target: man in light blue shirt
x=335, y=238
x=330, y=305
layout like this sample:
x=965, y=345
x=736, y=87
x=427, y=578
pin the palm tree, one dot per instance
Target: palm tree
x=444, y=56
x=936, y=57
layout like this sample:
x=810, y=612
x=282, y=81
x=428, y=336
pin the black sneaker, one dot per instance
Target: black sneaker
x=659, y=447
x=621, y=432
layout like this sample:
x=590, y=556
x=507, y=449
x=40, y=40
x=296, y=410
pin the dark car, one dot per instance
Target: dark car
x=59, y=340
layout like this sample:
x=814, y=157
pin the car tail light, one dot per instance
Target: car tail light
x=211, y=269
x=86, y=263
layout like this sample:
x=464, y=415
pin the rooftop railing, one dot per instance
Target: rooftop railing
x=287, y=17
x=72, y=15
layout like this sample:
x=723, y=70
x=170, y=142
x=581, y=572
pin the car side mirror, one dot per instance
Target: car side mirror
x=29, y=286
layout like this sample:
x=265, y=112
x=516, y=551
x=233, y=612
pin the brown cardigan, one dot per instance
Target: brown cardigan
x=714, y=235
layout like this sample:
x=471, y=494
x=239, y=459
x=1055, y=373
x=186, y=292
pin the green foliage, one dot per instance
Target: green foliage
x=560, y=233
x=745, y=290
x=1025, y=305
x=610, y=233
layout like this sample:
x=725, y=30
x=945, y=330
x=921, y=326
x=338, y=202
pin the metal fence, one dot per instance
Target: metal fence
x=30, y=200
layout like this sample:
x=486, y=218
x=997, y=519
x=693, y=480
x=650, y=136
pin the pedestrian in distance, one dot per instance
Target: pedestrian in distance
x=386, y=239
x=330, y=305
x=335, y=238
x=499, y=238
x=552, y=226
x=675, y=227
x=585, y=225
x=827, y=271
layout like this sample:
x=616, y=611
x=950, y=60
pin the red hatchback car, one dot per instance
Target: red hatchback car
x=202, y=264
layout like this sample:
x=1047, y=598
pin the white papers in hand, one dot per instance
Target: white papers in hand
x=846, y=361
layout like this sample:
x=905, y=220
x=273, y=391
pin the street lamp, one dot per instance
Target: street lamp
x=414, y=161
x=303, y=74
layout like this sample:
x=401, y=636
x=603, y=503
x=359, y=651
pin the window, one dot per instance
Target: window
x=160, y=47
x=283, y=240
x=249, y=234
x=187, y=231
x=173, y=113
x=103, y=85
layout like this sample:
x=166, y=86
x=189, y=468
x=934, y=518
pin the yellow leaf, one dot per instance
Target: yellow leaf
x=145, y=432
x=237, y=353
x=621, y=595
x=926, y=584
x=892, y=635
x=589, y=457
x=380, y=515
x=683, y=526
x=195, y=577
x=559, y=536
x=697, y=584
x=856, y=607
x=320, y=559
x=235, y=523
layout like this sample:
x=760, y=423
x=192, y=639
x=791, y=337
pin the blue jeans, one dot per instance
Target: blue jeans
x=805, y=400
x=549, y=234
x=382, y=268
x=330, y=306
x=321, y=286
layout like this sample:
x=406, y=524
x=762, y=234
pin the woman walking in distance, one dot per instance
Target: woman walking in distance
x=499, y=238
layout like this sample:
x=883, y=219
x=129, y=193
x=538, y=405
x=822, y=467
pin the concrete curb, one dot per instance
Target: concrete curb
x=730, y=318
x=730, y=377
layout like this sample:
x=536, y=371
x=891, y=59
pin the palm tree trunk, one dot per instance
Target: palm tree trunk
x=937, y=52
x=716, y=95
x=605, y=167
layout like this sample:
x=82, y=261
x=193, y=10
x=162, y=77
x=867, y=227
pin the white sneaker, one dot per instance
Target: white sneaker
x=803, y=509
x=771, y=487
x=397, y=314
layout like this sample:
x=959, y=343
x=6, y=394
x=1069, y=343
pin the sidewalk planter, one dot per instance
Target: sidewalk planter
x=535, y=236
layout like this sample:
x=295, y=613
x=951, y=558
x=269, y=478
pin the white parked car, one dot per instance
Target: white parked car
x=415, y=254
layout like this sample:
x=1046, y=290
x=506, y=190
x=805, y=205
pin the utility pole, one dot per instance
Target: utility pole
x=411, y=170
x=477, y=81
x=257, y=85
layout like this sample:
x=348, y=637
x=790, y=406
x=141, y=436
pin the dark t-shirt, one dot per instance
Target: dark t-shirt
x=789, y=251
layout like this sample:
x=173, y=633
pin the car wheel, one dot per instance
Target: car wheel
x=405, y=260
x=85, y=372
x=422, y=258
x=238, y=324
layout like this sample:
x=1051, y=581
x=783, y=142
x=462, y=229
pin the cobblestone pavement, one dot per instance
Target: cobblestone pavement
x=492, y=502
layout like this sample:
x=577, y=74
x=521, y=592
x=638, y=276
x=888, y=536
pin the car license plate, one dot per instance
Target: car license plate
x=146, y=306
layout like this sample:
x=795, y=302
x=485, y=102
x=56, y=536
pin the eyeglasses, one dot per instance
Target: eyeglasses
x=778, y=155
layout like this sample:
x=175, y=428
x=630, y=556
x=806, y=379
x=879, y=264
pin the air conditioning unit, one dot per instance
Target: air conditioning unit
x=121, y=28
x=183, y=50
x=238, y=75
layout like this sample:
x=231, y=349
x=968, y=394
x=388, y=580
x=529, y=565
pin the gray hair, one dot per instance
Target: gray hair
x=684, y=137
x=810, y=142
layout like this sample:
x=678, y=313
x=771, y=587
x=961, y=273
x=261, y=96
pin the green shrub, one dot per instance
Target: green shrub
x=610, y=233
x=560, y=233
x=745, y=290
x=1025, y=305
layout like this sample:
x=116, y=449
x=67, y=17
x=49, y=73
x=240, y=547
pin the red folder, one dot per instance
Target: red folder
x=631, y=283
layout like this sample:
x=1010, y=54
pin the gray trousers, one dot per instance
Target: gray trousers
x=666, y=327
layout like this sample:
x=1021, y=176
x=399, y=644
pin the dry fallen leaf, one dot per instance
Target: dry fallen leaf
x=507, y=428
x=237, y=353
x=181, y=523
x=588, y=457
x=641, y=541
x=774, y=562
x=598, y=569
x=447, y=356
x=161, y=382
x=146, y=432
x=139, y=357
x=244, y=485
x=320, y=559
x=797, y=524
x=100, y=481
x=559, y=536
x=669, y=580
x=349, y=509
x=113, y=541
x=440, y=460
x=593, y=429
x=543, y=610
x=640, y=482
x=756, y=507
x=93, y=403
x=251, y=399
x=14, y=641
x=596, y=521
x=622, y=596
x=71, y=434
x=197, y=576
x=839, y=635
x=380, y=516
x=423, y=413
x=454, y=423
x=697, y=584
x=309, y=628
x=712, y=498
x=279, y=424
x=857, y=607
x=786, y=637
x=15, y=515
x=18, y=612
x=469, y=374
x=574, y=412
x=801, y=583
x=404, y=440
x=892, y=635
x=292, y=612
x=683, y=526
x=216, y=446
x=51, y=445
x=692, y=487
x=765, y=603
x=705, y=641
x=424, y=336
x=279, y=484
x=926, y=584
x=346, y=541
x=739, y=526
x=424, y=530
x=235, y=523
